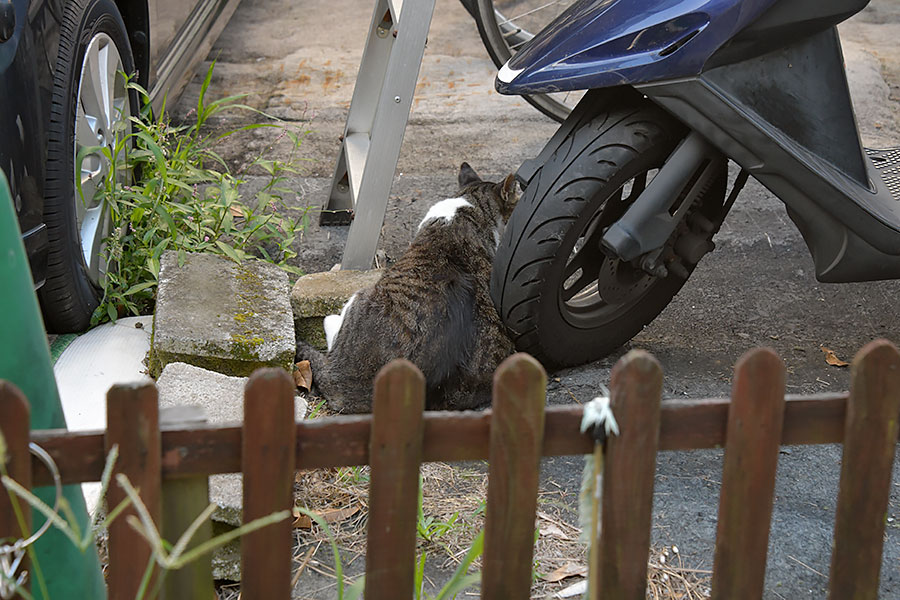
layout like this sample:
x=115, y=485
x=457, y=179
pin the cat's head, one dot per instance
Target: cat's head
x=504, y=193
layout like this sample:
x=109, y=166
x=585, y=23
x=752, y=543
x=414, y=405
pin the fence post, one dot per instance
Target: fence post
x=624, y=544
x=395, y=455
x=132, y=423
x=870, y=438
x=268, y=451
x=182, y=500
x=14, y=425
x=752, y=443
x=517, y=436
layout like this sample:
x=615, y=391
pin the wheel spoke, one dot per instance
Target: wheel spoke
x=85, y=200
x=93, y=230
x=585, y=280
x=587, y=259
x=503, y=20
x=92, y=95
x=85, y=128
x=638, y=185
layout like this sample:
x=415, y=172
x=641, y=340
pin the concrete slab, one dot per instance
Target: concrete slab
x=317, y=295
x=216, y=314
x=221, y=398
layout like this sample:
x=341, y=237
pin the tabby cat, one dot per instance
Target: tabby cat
x=432, y=307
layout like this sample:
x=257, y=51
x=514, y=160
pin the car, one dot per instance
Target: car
x=63, y=93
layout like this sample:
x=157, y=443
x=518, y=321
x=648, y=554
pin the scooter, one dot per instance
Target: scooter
x=625, y=198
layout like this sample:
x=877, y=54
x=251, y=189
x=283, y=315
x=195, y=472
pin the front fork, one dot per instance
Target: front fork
x=641, y=234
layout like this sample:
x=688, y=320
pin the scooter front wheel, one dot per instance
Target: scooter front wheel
x=562, y=299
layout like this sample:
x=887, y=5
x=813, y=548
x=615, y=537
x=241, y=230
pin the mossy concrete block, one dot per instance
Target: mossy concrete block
x=219, y=315
x=221, y=399
x=317, y=295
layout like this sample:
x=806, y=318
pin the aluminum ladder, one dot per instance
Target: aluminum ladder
x=379, y=111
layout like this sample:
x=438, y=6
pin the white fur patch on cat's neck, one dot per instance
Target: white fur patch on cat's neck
x=445, y=209
x=332, y=323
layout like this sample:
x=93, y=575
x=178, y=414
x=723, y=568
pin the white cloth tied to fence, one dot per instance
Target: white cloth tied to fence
x=598, y=412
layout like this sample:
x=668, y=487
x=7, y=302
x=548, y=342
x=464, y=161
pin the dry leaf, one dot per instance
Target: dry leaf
x=832, y=359
x=567, y=570
x=338, y=514
x=302, y=522
x=303, y=375
x=553, y=530
x=236, y=211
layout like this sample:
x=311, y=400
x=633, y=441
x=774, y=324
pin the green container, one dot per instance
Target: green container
x=25, y=361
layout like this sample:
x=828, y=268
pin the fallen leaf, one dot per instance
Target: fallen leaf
x=832, y=359
x=338, y=514
x=569, y=569
x=553, y=530
x=303, y=375
x=236, y=211
x=302, y=522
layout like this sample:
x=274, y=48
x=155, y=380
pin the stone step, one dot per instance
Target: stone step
x=221, y=399
x=219, y=315
x=318, y=295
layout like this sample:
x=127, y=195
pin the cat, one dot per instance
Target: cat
x=432, y=307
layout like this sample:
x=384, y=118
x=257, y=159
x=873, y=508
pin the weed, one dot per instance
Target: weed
x=168, y=189
x=358, y=475
x=316, y=409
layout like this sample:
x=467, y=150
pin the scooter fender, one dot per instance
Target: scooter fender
x=605, y=43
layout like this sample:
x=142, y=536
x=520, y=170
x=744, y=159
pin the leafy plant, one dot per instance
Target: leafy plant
x=432, y=529
x=429, y=528
x=168, y=189
x=354, y=475
x=461, y=578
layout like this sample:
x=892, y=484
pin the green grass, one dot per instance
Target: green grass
x=169, y=189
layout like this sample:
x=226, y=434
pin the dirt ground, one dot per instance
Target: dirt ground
x=297, y=61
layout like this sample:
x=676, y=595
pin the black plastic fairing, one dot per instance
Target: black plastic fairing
x=786, y=117
x=802, y=91
x=781, y=25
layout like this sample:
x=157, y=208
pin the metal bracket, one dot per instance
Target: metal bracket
x=379, y=111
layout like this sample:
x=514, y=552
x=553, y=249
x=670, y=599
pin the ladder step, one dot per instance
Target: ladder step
x=356, y=147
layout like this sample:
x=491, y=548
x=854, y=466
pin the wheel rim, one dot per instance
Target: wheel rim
x=101, y=112
x=594, y=288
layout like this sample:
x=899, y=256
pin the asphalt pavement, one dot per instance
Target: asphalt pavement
x=298, y=61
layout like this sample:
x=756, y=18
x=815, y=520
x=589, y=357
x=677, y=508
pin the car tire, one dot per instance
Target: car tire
x=90, y=103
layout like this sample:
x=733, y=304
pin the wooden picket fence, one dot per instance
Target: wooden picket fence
x=513, y=436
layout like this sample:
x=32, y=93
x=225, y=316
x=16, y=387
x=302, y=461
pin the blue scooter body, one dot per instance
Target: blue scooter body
x=763, y=82
x=597, y=44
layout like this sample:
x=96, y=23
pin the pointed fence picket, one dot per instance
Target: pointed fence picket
x=512, y=436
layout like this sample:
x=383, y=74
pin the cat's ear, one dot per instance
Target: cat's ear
x=467, y=175
x=508, y=194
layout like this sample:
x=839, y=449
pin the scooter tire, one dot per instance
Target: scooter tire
x=577, y=188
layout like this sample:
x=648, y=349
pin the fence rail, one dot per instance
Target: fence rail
x=513, y=436
x=343, y=441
